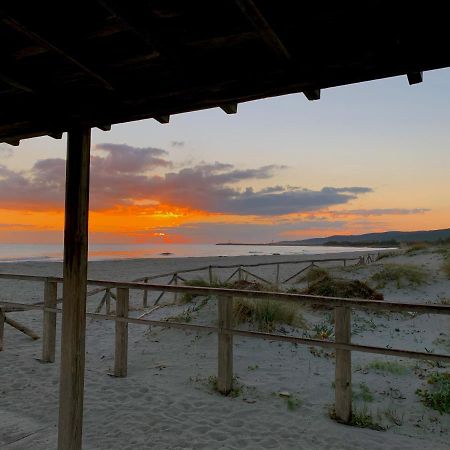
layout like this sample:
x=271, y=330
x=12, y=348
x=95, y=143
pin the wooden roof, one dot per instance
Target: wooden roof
x=101, y=62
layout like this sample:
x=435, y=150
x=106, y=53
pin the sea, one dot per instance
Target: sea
x=99, y=252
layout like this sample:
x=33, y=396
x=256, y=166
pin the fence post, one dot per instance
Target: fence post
x=121, y=352
x=175, y=282
x=225, y=348
x=210, y=275
x=145, y=298
x=49, y=323
x=108, y=302
x=345, y=262
x=2, y=327
x=343, y=376
x=277, y=278
x=240, y=273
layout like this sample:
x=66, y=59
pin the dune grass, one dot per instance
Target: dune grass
x=393, y=367
x=313, y=275
x=328, y=286
x=361, y=418
x=401, y=274
x=446, y=267
x=267, y=314
x=417, y=247
x=438, y=395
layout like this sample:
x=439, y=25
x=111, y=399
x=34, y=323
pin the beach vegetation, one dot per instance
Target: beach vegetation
x=401, y=274
x=313, y=275
x=267, y=314
x=361, y=418
x=393, y=416
x=236, y=387
x=417, y=247
x=323, y=330
x=293, y=403
x=446, y=267
x=437, y=395
x=393, y=367
x=329, y=286
x=363, y=393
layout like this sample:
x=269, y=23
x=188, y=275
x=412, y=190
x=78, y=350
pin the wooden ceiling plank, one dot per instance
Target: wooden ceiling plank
x=270, y=37
x=41, y=41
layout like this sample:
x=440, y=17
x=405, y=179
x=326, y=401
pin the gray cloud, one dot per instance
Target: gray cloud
x=382, y=211
x=121, y=175
x=177, y=143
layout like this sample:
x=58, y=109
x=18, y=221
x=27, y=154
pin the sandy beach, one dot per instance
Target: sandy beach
x=168, y=401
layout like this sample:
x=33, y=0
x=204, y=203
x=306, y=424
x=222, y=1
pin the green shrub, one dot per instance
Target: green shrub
x=266, y=314
x=438, y=396
x=399, y=274
x=446, y=267
x=363, y=393
x=361, y=418
x=313, y=275
x=393, y=367
x=332, y=287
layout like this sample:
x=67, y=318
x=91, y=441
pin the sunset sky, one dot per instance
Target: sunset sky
x=366, y=157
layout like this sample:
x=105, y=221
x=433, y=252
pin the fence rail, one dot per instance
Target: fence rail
x=342, y=316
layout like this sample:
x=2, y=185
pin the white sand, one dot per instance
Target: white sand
x=166, y=401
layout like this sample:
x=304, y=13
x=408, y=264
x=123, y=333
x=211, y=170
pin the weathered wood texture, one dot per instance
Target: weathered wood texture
x=49, y=322
x=2, y=328
x=22, y=328
x=121, y=346
x=225, y=344
x=343, y=379
x=71, y=391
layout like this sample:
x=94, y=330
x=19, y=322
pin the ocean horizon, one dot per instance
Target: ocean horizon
x=100, y=252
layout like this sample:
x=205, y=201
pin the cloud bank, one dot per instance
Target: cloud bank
x=125, y=175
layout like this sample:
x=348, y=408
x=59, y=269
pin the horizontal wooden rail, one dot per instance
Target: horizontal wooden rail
x=253, y=334
x=421, y=308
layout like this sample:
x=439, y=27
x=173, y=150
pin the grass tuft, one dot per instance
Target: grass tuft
x=446, y=267
x=363, y=393
x=267, y=314
x=438, y=395
x=333, y=287
x=400, y=274
x=361, y=418
x=393, y=367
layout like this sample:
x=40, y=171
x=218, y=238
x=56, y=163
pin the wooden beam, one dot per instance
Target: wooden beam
x=49, y=322
x=13, y=142
x=343, y=375
x=225, y=344
x=254, y=15
x=230, y=108
x=121, y=346
x=162, y=119
x=74, y=289
x=16, y=84
x=312, y=95
x=64, y=53
x=22, y=328
x=415, y=77
x=2, y=328
x=104, y=127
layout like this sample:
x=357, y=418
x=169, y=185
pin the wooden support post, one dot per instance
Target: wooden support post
x=343, y=380
x=277, y=277
x=240, y=273
x=121, y=353
x=175, y=282
x=108, y=302
x=49, y=326
x=2, y=328
x=71, y=390
x=22, y=328
x=145, y=297
x=225, y=355
x=210, y=273
x=345, y=262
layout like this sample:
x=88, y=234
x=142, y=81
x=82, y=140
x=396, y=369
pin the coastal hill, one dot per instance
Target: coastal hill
x=385, y=239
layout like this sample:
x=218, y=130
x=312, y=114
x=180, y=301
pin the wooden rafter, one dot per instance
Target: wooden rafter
x=16, y=84
x=270, y=37
x=64, y=53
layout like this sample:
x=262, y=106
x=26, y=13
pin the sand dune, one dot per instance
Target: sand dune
x=167, y=401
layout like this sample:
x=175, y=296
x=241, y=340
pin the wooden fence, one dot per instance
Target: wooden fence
x=240, y=272
x=342, y=316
